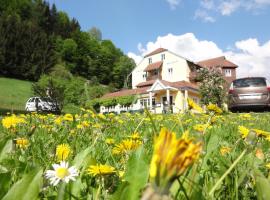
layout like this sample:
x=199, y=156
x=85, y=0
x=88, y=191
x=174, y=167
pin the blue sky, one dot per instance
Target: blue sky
x=230, y=27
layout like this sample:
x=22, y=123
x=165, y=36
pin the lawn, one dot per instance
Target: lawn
x=212, y=155
x=14, y=94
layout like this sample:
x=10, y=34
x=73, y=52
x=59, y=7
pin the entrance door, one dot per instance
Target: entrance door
x=164, y=100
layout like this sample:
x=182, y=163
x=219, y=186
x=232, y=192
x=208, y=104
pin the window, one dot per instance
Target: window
x=153, y=101
x=144, y=102
x=150, y=60
x=228, y=72
x=155, y=72
x=249, y=82
x=144, y=76
x=163, y=56
x=170, y=71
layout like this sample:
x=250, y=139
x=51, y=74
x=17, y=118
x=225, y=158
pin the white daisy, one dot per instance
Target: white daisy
x=61, y=172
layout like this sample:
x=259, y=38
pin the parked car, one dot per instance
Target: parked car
x=39, y=104
x=249, y=93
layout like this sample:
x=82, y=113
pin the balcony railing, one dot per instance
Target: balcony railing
x=153, y=77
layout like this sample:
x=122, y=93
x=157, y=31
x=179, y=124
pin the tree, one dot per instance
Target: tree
x=211, y=86
x=95, y=33
x=121, y=71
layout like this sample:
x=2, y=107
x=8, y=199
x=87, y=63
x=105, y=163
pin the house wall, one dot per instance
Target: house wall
x=230, y=79
x=178, y=64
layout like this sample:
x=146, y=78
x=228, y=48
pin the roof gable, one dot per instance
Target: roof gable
x=217, y=62
x=159, y=50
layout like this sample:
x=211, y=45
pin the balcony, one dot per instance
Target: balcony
x=153, y=77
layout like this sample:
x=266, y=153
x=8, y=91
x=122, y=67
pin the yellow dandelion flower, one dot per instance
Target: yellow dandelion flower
x=245, y=116
x=72, y=132
x=109, y=141
x=243, y=131
x=62, y=152
x=96, y=125
x=100, y=170
x=101, y=116
x=22, y=143
x=79, y=126
x=58, y=120
x=261, y=133
x=171, y=157
x=193, y=105
x=200, y=127
x=12, y=121
x=126, y=146
x=135, y=136
x=214, y=108
x=185, y=135
x=267, y=165
x=268, y=138
x=121, y=174
x=68, y=117
x=225, y=150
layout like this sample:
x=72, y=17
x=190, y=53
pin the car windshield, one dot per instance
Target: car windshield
x=47, y=99
x=249, y=82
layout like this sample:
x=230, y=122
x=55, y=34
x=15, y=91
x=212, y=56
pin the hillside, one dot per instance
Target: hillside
x=13, y=94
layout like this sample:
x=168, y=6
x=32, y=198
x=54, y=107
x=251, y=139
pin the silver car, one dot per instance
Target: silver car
x=249, y=93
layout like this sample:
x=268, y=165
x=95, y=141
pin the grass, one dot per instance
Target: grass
x=233, y=162
x=13, y=94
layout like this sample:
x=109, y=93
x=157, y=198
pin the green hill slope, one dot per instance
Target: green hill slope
x=14, y=94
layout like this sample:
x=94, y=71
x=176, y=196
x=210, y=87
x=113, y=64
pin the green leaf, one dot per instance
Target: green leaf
x=262, y=186
x=7, y=148
x=26, y=188
x=135, y=177
x=4, y=183
x=81, y=161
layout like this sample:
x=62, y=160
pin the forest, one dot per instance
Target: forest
x=38, y=40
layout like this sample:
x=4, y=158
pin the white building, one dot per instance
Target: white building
x=162, y=82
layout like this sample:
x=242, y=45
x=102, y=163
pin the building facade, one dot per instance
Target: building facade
x=162, y=82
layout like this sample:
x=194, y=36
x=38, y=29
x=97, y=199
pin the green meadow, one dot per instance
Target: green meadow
x=14, y=94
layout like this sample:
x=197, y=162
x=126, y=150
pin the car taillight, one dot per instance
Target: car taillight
x=231, y=91
x=268, y=88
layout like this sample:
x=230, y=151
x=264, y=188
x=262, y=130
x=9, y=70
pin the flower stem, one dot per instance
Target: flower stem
x=227, y=172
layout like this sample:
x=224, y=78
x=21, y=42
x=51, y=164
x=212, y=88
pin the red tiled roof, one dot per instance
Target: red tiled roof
x=146, y=83
x=143, y=90
x=181, y=84
x=159, y=50
x=217, y=62
x=153, y=66
x=126, y=92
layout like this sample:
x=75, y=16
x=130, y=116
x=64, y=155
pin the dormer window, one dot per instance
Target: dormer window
x=150, y=60
x=163, y=56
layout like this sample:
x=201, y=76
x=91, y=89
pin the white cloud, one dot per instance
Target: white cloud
x=228, y=7
x=208, y=4
x=202, y=14
x=173, y=3
x=136, y=58
x=252, y=57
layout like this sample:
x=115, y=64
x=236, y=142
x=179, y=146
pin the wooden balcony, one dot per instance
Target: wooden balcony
x=153, y=77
